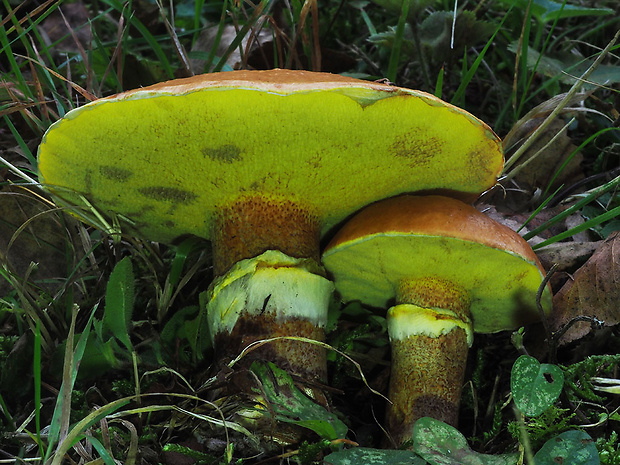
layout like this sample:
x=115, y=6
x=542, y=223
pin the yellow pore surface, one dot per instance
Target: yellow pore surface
x=442, y=243
x=167, y=163
x=502, y=286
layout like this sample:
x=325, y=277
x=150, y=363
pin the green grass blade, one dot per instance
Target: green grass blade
x=218, y=38
x=146, y=34
x=558, y=109
x=62, y=412
x=540, y=208
x=460, y=91
x=100, y=448
x=36, y=365
x=398, y=42
x=594, y=194
x=22, y=144
x=575, y=152
x=77, y=432
x=439, y=84
x=611, y=214
x=198, y=5
x=241, y=34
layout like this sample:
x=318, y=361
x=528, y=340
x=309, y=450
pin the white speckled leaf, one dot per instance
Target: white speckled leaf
x=535, y=386
x=367, y=456
x=441, y=444
x=569, y=448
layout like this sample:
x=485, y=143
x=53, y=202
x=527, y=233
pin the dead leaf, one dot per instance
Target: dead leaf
x=556, y=148
x=594, y=291
x=567, y=255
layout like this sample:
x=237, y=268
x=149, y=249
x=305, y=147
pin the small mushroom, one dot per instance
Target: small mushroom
x=262, y=163
x=445, y=270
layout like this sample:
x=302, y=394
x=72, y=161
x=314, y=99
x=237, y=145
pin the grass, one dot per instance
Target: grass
x=94, y=373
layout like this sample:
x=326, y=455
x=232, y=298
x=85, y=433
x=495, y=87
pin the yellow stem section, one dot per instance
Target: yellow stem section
x=430, y=332
x=426, y=379
x=269, y=296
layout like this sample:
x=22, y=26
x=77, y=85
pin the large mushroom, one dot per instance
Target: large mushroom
x=445, y=270
x=262, y=163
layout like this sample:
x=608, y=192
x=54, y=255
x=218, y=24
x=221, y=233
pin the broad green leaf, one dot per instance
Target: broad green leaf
x=119, y=299
x=189, y=327
x=176, y=327
x=549, y=10
x=367, y=456
x=569, y=448
x=441, y=444
x=292, y=406
x=444, y=38
x=535, y=387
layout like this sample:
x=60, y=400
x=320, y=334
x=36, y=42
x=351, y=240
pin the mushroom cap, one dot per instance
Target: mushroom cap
x=168, y=157
x=417, y=237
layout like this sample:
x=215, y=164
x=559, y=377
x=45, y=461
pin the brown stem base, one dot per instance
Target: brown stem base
x=286, y=354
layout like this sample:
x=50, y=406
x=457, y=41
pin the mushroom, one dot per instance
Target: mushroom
x=445, y=270
x=262, y=163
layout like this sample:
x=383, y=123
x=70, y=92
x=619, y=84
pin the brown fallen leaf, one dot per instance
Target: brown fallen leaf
x=567, y=255
x=594, y=291
x=552, y=150
x=549, y=163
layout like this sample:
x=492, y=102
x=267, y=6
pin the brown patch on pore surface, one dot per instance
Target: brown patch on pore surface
x=168, y=194
x=114, y=173
x=249, y=329
x=435, y=293
x=419, y=150
x=228, y=153
x=252, y=225
x=426, y=379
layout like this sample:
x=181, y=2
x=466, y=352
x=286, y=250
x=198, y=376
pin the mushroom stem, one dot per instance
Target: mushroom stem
x=430, y=333
x=251, y=225
x=269, y=284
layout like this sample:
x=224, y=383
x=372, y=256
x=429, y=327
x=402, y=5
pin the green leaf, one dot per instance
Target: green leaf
x=367, y=456
x=569, y=448
x=535, y=387
x=292, y=406
x=441, y=444
x=548, y=10
x=119, y=300
x=566, y=67
x=442, y=43
x=414, y=7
